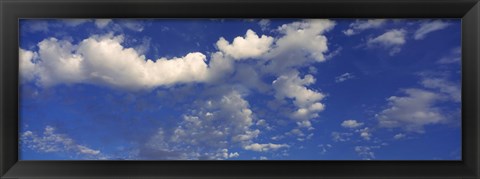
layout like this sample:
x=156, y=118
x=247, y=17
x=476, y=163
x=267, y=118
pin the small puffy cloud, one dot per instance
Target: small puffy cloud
x=51, y=142
x=412, y=112
x=399, y=136
x=344, y=77
x=392, y=40
x=428, y=27
x=102, y=23
x=351, y=124
x=264, y=147
x=361, y=25
x=365, y=133
x=250, y=46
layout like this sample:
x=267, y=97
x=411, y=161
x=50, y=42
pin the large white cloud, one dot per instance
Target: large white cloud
x=391, y=40
x=103, y=60
x=249, y=46
x=428, y=27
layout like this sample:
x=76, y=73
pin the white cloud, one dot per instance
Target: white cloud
x=103, y=60
x=27, y=67
x=264, y=24
x=265, y=147
x=444, y=86
x=351, y=124
x=361, y=25
x=412, y=112
x=399, y=136
x=392, y=40
x=366, y=152
x=102, y=23
x=51, y=142
x=305, y=35
x=344, y=77
x=341, y=137
x=428, y=27
x=307, y=101
x=365, y=133
x=250, y=46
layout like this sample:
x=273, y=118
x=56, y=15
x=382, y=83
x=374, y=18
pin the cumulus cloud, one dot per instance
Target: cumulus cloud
x=26, y=65
x=428, y=27
x=343, y=77
x=351, y=124
x=51, y=142
x=103, y=60
x=361, y=25
x=365, y=133
x=264, y=147
x=307, y=101
x=250, y=46
x=391, y=40
x=413, y=111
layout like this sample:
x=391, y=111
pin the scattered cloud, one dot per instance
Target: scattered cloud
x=265, y=147
x=264, y=24
x=428, y=27
x=361, y=25
x=399, y=136
x=351, y=124
x=51, y=142
x=366, y=152
x=341, y=137
x=391, y=40
x=344, y=77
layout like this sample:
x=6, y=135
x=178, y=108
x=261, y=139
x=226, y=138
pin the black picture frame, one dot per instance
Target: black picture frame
x=12, y=10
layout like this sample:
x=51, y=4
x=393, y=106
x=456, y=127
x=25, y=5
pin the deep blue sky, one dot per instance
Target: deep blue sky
x=240, y=89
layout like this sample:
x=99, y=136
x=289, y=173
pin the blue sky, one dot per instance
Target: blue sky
x=240, y=89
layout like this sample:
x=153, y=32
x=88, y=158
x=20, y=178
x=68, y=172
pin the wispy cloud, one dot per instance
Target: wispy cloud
x=429, y=27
